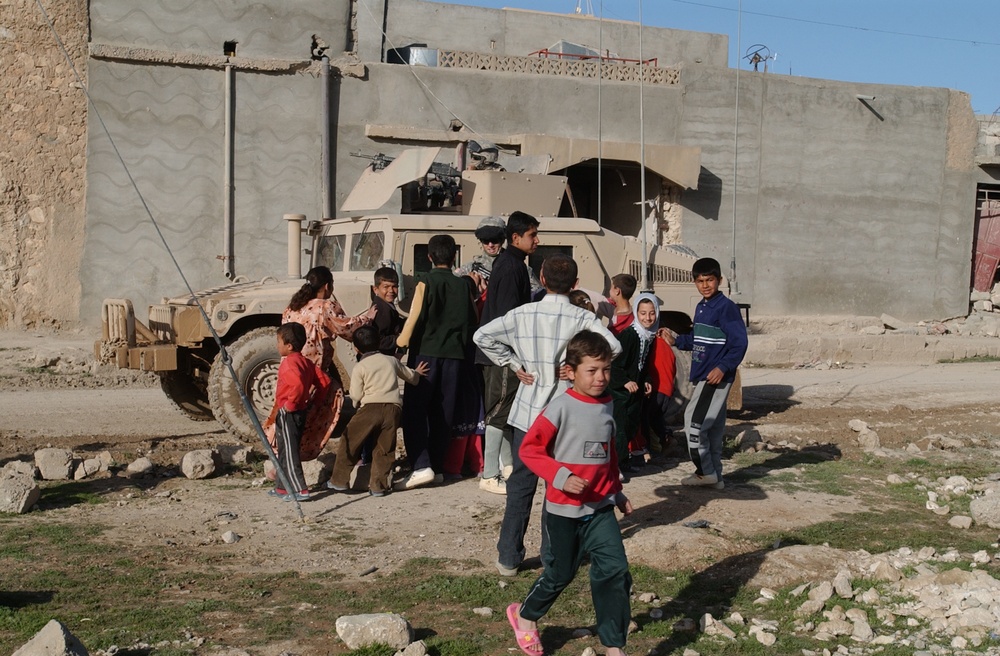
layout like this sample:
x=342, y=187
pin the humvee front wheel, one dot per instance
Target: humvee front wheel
x=188, y=394
x=255, y=360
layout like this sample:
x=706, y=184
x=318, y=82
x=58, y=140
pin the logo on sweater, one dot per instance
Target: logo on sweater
x=595, y=450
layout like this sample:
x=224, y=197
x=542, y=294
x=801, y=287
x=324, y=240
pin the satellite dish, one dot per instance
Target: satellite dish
x=758, y=53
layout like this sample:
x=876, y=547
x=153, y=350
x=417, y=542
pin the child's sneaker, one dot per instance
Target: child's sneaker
x=304, y=495
x=695, y=479
x=721, y=485
x=277, y=492
x=378, y=493
x=496, y=485
x=416, y=478
x=336, y=488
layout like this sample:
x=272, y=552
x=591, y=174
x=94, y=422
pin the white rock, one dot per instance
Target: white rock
x=20, y=467
x=981, y=557
x=589, y=651
x=54, y=639
x=139, y=467
x=18, y=492
x=857, y=425
x=894, y=479
x=418, y=648
x=198, y=464
x=647, y=597
x=869, y=440
x=483, y=611
x=362, y=630
x=230, y=537
x=87, y=468
x=986, y=510
x=768, y=593
x=960, y=521
x=235, y=455
x=764, y=638
x=958, y=642
x=54, y=464
x=842, y=584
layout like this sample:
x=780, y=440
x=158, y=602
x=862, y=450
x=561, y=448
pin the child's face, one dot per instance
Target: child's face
x=707, y=285
x=284, y=348
x=646, y=314
x=387, y=290
x=591, y=376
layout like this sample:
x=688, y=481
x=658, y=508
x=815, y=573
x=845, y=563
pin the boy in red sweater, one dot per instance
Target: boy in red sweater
x=299, y=381
x=572, y=446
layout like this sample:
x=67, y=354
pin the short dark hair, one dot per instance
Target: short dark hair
x=627, y=283
x=519, y=223
x=560, y=273
x=587, y=343
x=386, y=274
x=580, y=298
x=442, y=250
x=293, y=334
x=706, y=266
x=366, y=339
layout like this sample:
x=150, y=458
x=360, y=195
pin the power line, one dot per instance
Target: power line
x=840, y=25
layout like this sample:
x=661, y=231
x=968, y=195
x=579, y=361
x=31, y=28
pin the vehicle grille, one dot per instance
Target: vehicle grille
x=161, y=322
x=659, y=273
x=118, y=321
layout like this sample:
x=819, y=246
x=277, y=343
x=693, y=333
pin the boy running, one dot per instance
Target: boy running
x=571, y=446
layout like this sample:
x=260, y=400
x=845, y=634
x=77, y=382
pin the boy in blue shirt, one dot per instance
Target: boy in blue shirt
x=717, y=344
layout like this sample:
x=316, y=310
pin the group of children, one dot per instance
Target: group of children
x=584, y=393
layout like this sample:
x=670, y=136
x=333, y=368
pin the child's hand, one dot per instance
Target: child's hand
x=649, y=389
x=564, y=371
x=575, y=485
x=625, y=506
x=714, y=377
x=422, y=368
x=525, y=377
x=632, y=387
x=666, y=335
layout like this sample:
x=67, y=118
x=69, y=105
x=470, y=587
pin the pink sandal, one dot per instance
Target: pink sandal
x=524, y=637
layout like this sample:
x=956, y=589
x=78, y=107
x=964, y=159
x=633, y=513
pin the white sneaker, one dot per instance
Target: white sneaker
x=507, y=471
x=721, y=485
x=416, y=478
x=496, y=485
x=504, y=570
x=695, y=479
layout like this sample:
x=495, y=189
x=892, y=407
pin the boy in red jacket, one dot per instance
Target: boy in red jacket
x=297, y=378
x=572, y=446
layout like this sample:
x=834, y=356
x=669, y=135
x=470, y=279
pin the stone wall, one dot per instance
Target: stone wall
x=42, y=162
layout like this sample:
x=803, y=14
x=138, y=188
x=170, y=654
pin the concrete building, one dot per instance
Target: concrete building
x=849, y=198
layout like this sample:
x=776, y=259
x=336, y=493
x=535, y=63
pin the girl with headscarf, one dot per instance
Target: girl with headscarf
x=628, y=373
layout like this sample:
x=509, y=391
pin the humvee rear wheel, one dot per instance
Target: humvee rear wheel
x=255, y=360
x=188, y=394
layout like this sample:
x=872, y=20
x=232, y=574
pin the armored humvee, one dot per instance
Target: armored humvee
x=176, y=344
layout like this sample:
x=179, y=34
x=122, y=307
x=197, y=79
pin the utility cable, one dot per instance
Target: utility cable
x=223, y=353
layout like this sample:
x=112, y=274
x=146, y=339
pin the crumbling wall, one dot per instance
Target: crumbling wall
x=42, y=162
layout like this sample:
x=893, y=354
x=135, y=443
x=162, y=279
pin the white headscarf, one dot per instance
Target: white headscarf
x=646, y=335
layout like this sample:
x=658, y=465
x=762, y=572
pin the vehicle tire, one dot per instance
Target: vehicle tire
x=188, y=394
x=255, y=360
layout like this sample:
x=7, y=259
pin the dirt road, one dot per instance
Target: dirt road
x=89, y=410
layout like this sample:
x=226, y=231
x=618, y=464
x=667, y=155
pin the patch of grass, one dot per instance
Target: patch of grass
x=974, y=358
x=70, y=494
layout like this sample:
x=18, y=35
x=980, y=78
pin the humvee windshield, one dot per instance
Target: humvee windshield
x=330, y=252
x=366, y=250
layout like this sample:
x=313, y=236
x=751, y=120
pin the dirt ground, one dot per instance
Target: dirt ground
x=52, y=395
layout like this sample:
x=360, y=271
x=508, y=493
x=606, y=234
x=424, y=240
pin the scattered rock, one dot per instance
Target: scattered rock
x=54, y=464
x=842, y=584
x=685, y=625
x=589, y=651
x=892, y=322
x=868, y=440
x=363, y=630
x=894, y=479
x=139, y=467
x=986, y=510
x=234, y=455
x=87, y=468
x=53, y=640
x=748, y=440
x=230, y=537
x=418, y=648
x=200, y=463
x=647, y=597
x=857, y=425
x=20, y=467
x=18, y=492
x=960, y=521
x=581, y=633
x=483, y=611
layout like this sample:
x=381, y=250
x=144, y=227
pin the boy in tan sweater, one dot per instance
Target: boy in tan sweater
x=375, y=389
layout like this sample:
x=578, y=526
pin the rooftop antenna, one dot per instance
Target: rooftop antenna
x=589, y=7
x=758, y=54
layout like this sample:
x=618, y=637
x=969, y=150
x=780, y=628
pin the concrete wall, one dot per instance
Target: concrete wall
x=519, y=33
x=42, y=162
x=281, y=30
x=838, y=211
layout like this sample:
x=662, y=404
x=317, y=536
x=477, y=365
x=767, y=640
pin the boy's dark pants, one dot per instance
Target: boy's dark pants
x=288, y=435
x=610, y=581
x=521, y=485
x=429, y=411
x=379, y=420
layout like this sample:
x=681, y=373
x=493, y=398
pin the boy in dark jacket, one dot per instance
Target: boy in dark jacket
x=717, y=344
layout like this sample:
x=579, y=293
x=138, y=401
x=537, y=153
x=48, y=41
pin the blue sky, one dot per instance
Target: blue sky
x=953, y=44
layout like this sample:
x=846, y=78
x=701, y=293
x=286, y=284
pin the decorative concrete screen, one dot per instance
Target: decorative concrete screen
x=565, y=67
